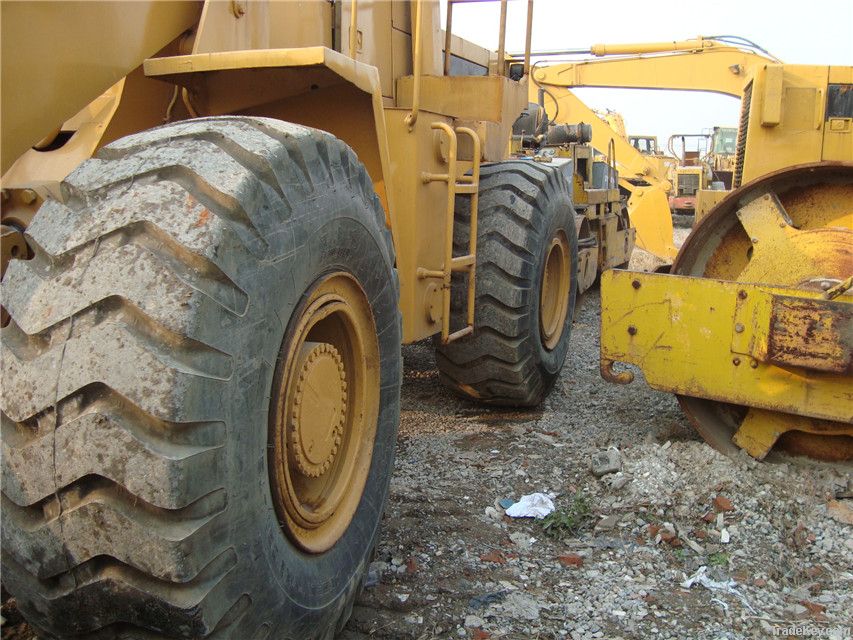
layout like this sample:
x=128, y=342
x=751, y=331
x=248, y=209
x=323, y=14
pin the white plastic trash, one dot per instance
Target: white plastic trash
x=534, y=505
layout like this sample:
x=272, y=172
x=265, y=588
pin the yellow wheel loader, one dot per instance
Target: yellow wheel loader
x=220, y=222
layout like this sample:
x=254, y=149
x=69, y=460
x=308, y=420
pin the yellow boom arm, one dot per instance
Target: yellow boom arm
x=700, y=64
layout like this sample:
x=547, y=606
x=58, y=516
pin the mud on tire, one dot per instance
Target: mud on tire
x=137, y=367
x=523, y=205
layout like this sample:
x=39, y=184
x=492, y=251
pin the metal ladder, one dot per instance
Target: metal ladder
x=456, y=185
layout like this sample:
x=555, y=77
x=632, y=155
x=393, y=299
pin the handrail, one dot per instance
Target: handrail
x=353, y=28
x=611, y=165
x=501, y=36
x=528, y=37
x=447, y=35
x=417, y=62
x=417, y=53
x=502, y=41
x=474, y=210
x=456, y=185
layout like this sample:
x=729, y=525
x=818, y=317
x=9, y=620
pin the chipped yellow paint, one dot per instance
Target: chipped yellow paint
x=708, y=339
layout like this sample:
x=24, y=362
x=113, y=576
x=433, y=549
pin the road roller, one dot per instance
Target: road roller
x=752, y=329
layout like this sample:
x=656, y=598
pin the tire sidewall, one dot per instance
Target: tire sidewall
x=336, y=232
x=557, y=215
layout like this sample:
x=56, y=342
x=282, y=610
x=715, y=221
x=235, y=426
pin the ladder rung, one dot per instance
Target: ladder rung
x=427, y=177
x=460, y=334
x=430, y=273
x=462, y=263
x=466, y=188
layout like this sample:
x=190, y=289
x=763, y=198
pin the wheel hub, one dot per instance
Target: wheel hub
x=325, y=404
x=554, y=293
x=319, y=408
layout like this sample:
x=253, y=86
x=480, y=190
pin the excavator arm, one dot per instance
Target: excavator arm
x=700, y=64
x=643, y=177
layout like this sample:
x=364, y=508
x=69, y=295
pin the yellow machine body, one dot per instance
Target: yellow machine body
x=774, y=371
x=758, y=342
x=706, y=200
x=382, y=76
x=732, y=342
x=793, y=114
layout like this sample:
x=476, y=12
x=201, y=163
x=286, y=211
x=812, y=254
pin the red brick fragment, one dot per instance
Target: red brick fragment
x=722, y=503
x=813, y=607
x=571, y=560
x=494, y=556
x=814, y=571
x=667, y=535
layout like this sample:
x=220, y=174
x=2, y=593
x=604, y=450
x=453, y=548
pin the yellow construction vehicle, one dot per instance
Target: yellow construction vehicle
x=703, y=174
x=717, y=64
x=754, y=328
x=721, y=156
x=644, y=179
x=220, y=222
x=690, y=174
x=647, y=145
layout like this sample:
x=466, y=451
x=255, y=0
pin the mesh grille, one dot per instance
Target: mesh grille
x=741, y=135
x=688, y=184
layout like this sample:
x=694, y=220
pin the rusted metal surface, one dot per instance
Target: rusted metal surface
x=760, y=430
x=800, y=237
x=616, y=377
x=708, y=339
x=814, y=334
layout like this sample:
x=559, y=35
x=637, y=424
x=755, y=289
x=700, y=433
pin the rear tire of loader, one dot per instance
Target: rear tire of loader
x=513, y=358
x=147, y=349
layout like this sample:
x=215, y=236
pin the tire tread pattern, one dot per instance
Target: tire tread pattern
x=95, y=459
x=498, y=365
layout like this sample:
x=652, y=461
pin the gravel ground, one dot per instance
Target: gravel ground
x=775, y=542
x=450, y=564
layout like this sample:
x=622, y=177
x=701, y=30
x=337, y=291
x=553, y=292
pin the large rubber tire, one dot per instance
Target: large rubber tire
x=137, y=371
x=523, y=205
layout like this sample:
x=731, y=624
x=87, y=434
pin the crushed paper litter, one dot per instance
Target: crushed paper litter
x=534, y=505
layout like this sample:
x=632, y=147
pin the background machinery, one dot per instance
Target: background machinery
x=690, y=174
x=766, y=273
x=220, y=221
x=722, y=154
x=708, y=166
x=717, y=64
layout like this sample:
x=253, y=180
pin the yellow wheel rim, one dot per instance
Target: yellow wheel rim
x=323, y=413
x=554, y=293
